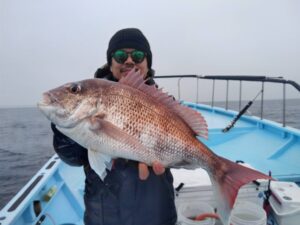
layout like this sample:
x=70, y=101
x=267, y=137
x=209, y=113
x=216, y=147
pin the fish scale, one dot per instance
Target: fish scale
x=144, y=122
x=169, y=142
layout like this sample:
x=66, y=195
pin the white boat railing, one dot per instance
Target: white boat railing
x=228, y=78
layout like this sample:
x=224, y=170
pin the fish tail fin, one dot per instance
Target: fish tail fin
x=227, y=180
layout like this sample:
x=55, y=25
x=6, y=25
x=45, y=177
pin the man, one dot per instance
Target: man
x=131, y=193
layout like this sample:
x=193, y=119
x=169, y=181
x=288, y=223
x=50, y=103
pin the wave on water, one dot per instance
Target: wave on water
x=4, y=152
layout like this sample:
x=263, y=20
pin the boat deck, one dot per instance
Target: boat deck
x=260, y=143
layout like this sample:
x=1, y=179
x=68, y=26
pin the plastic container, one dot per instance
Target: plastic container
x=190, y=210
x=248, y=213
x=285, y=202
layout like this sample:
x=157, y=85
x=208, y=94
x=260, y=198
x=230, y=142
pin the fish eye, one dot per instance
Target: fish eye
x=75, y=88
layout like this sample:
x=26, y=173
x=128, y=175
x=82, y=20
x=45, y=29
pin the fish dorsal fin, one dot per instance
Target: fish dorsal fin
x=191, y=117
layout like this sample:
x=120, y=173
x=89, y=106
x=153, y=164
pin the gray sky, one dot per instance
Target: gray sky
x=44, y=44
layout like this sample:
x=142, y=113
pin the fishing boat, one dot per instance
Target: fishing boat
x=54, y=195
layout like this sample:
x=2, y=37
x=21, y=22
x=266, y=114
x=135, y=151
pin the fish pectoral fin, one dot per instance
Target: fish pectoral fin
x=137, y=150
x=99, y=162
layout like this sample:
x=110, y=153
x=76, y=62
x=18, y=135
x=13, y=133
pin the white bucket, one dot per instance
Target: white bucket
x=188, y=211
x=248, y=213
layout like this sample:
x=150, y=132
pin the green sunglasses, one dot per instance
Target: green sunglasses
x=121, y=56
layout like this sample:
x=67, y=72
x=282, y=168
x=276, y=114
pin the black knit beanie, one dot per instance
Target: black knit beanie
x=129, y=38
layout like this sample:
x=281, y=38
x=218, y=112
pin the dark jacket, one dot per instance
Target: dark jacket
x=122, y=198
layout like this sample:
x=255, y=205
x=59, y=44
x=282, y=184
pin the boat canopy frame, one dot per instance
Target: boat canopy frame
x=240, y=78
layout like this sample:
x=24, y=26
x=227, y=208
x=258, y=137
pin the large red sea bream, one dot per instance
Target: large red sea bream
x=132, y=120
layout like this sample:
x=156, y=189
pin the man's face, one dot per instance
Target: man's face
x=120, y=70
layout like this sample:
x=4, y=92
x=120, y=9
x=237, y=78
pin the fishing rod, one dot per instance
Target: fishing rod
x=242, y=112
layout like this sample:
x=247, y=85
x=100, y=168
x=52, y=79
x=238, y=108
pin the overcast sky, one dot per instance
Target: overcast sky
x=44, y=44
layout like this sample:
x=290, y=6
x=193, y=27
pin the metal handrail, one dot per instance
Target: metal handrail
x=227, y=78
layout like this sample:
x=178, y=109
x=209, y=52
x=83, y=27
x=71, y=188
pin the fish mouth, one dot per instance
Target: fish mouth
x=47, y=100
x=49, y=104
x=50, y=107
